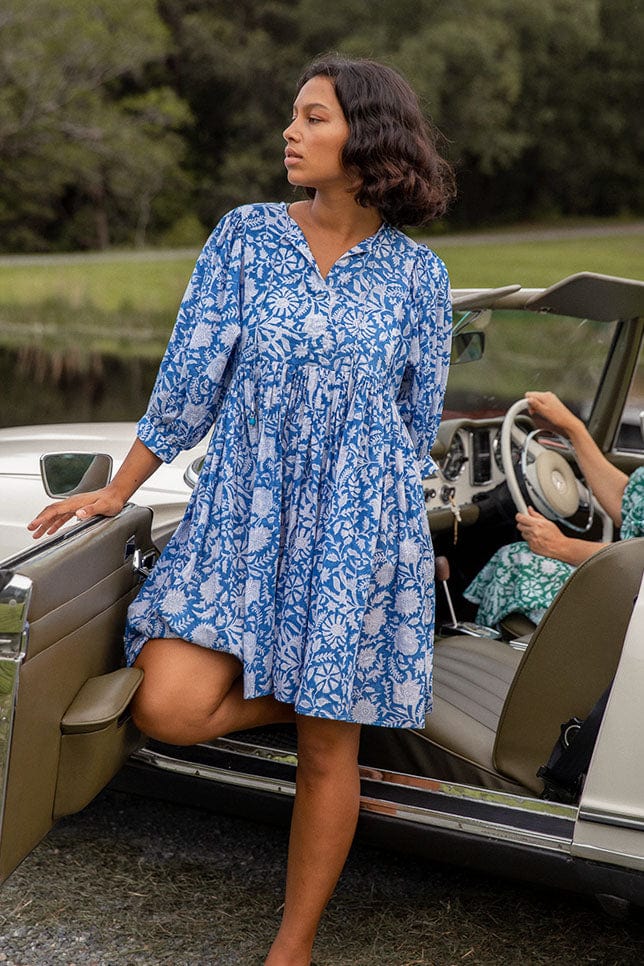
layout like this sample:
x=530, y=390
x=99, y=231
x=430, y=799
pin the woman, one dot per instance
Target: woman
x=315, y=337
x=526, y=577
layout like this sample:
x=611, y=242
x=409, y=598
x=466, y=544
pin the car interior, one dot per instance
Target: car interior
x=497, y=709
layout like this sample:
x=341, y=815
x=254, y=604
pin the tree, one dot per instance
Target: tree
x=505, y=81
x=89, y=129
x=116, y=118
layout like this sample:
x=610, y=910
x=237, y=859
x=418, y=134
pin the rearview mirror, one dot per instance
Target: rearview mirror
x=467, y=347
x=65, y=474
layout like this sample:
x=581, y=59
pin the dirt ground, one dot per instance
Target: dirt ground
x=132, y=881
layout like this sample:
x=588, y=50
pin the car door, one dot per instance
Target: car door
x=64, y=694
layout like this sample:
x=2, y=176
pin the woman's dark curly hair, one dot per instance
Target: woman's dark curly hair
x=391, y=145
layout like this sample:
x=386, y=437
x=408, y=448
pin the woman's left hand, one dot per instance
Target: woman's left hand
x=541, y=535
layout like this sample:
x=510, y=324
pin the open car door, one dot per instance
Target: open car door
x=64, y=694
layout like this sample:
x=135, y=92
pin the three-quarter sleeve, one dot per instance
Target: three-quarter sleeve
x=200, y=358
x=420, y=400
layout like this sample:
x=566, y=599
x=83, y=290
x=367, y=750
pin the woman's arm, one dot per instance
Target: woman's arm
x=605, y=480
x=138, y=466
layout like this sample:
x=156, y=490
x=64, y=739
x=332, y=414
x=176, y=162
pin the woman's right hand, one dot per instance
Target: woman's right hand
x=106, y=502
x=138, y=466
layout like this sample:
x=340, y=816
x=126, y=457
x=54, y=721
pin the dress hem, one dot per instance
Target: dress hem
x=267, y=692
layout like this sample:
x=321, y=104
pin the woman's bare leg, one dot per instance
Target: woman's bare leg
x=322, y=828
x=190, y=694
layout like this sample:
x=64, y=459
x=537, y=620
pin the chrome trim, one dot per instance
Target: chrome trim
x=191, y=475
x=486, y=796
x=143, y=562
x=254, y=751
x=212, y=773
x=404, y=812
x=519, y=803
x=15, y=595
x=610, y=818
x=482, y=829
x=472, y=793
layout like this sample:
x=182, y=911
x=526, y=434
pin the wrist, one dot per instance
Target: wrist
x=566, y=551
x=116, y=492
x=575, y=430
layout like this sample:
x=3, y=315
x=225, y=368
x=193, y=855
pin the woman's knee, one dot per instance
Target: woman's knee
x=155, y=711
x=182, y=687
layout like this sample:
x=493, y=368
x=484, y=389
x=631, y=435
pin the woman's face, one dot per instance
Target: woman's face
x=315, y=138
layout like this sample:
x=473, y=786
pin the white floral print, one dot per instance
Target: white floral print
x=304, y=550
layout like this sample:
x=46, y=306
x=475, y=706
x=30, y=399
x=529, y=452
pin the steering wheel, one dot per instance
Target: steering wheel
x=553, y=487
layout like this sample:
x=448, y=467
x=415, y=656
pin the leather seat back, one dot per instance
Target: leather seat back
x=571, y=659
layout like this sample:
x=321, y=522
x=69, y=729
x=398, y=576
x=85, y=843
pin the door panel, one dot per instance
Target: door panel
x=81, y=587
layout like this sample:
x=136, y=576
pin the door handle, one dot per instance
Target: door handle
x=143, y=561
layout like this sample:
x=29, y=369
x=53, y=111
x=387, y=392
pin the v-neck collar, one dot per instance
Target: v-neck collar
x=295, y=234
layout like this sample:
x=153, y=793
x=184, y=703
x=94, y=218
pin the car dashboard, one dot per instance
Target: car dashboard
x=468, y=455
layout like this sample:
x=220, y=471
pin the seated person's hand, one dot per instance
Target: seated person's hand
x=541, y=535
x=550, y=413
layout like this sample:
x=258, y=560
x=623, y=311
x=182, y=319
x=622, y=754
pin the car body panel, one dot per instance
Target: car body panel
x=164, y=493
x=611, y=810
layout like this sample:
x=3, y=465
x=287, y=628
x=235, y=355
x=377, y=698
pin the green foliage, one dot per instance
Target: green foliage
x=89, y=135
x=507, y=82
x=119, y=120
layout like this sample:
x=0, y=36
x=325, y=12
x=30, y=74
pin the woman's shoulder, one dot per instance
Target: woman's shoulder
x=246, y=223
x=256, y=213
x=425, y=259
x=255, y=221
x=430, y=272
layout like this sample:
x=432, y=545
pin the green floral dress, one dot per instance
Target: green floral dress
x=516, y=580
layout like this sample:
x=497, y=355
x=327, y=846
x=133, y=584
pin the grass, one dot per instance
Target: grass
x=125, y=303
x=120, y=284
x=540, y=263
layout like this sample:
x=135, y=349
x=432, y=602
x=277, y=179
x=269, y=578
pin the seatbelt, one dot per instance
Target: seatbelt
x=564, y=773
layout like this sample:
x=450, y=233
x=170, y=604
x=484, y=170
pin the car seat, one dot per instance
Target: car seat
x=498, y=711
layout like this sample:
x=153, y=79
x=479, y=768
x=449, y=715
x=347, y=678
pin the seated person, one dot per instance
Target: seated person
x=525, y=577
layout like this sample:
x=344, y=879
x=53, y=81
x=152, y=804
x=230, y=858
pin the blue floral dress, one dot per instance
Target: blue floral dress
x=517, y=580
x=304, y=550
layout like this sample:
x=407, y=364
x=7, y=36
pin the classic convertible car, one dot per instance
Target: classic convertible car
x=465, y=788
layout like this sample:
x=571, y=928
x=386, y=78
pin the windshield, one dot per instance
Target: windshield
x=525, y=350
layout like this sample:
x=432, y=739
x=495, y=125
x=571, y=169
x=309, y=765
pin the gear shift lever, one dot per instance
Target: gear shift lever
x=442, y=574
x=468, y=628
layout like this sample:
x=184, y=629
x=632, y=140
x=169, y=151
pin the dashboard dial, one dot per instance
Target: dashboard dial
x=496, y=446
x=452, y=465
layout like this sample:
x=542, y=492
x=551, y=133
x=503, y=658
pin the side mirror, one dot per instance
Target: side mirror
x=191, y=475
x=65, y=474
x=467, y=347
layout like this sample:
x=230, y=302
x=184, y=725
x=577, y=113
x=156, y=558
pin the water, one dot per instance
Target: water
x=40, y=388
